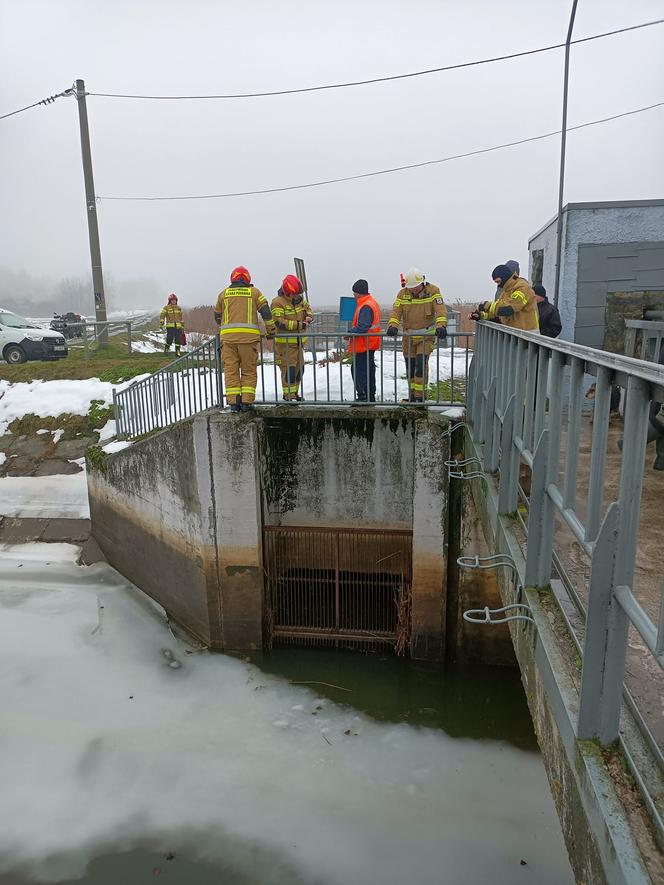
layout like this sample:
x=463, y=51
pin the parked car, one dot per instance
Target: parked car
x=21, y=340
x=62, y=322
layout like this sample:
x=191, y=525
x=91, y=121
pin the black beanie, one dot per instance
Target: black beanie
x=361, y=287
x=502, y=272
x=541, y=291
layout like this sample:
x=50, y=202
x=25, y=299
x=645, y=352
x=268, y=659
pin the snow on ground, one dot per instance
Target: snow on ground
x=46, y=398
x=108, y=431
x=116, y=446
x=143, y=346
x=110, y=747
x=46, y=497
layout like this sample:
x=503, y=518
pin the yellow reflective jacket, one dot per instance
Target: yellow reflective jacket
x=419, y=312
x=290, y=317
x=517, y=294
x=171, y=317
x=237, y=312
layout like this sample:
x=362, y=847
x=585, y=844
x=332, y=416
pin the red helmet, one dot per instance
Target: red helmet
x=291, y=285
x=240, y=274
x=172, y=298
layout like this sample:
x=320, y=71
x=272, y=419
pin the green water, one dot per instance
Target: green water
x=478, y=703
x=464, y=702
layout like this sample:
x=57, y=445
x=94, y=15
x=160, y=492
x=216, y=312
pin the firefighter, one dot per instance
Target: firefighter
x=515, y=306
x=171, y=319
x=419, y=307
x=291, y=313
x=236, y=312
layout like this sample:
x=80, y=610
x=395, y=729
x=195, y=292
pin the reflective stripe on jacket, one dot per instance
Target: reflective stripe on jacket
x=290, y=317
x=358, y=344
x=423, y=312
x=238, y=308
x=171, y=317
x=517, y=294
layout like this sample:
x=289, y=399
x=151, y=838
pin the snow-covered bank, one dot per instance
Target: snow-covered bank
x=110, y=746
x=54, y=398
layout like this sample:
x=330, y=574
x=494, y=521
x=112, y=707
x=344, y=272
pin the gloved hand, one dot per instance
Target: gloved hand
x=392, y=331
x=441, y=332
x=475, y=315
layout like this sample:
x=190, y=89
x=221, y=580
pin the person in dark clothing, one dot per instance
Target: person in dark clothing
x=364, y=341
x=549, y=318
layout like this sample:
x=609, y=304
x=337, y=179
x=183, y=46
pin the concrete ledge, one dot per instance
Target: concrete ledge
x=21, y=530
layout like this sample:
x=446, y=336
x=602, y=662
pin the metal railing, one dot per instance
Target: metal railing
x=91, y=329
x=320, y=366
x=517, y=406
x=652, y=335
x=190, y=384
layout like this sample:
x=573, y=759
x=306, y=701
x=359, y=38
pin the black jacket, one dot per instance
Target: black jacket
x=549, y=319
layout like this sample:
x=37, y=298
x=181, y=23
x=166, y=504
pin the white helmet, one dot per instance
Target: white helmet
x=414, y=278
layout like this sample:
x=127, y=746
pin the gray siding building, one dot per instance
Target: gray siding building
x=607, y=247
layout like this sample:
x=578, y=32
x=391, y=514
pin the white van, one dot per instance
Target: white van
x=21, y=340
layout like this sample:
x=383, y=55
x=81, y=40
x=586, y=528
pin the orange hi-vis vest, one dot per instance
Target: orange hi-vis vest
x=358, y=344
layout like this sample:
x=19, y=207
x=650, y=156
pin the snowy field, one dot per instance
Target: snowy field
x=110, y=746
x=63, y=496
x=44, y=398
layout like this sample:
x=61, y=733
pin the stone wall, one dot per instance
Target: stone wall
x=623, y=306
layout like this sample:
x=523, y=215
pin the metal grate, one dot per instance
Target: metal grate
x=341, y=587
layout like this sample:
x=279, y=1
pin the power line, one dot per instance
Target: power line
x=468, y=64
x=44, y=101
x=295, y=187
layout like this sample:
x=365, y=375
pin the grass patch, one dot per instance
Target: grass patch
x=73, y=425
x=95, y=459
x=112, y=363
x=442, y=391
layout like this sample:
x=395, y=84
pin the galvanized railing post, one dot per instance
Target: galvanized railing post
x=598, y=443
x=478, y=404
x=599, y=705
x=491, y=430
x=506, y=489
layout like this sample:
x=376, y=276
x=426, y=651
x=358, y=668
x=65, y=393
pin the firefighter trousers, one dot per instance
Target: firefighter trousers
x=240, y=370
x=416, y=354
x=290, y=359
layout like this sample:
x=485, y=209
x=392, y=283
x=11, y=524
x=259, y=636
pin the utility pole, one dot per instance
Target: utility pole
x=563, y=145
x=91, y=204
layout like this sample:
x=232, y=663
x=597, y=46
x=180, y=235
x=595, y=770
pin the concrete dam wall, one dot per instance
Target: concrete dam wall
x=307, y=525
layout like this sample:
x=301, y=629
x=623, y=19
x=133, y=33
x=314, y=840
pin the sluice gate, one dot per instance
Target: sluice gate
x=337, y=587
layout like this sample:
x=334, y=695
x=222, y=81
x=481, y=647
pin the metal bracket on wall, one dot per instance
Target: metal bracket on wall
x=450, y=430
x=497, y=560
x=454, y=471
x=483, y=615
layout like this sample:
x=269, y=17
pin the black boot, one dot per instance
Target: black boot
x=247, y=407
x=236, y=407
x=659, y=463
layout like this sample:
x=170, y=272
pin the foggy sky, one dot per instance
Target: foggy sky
x=455, y=221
